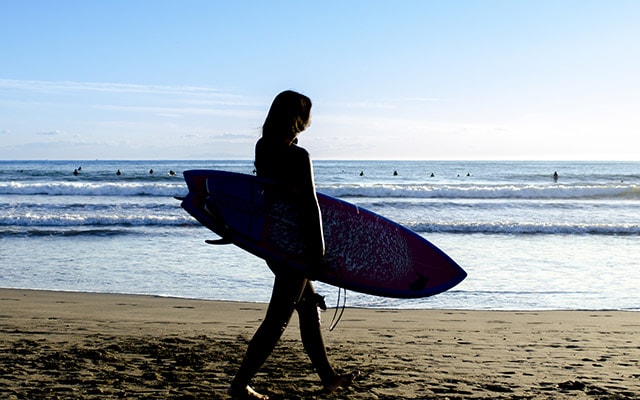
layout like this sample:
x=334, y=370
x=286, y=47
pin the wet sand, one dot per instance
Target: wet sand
x=96, y=346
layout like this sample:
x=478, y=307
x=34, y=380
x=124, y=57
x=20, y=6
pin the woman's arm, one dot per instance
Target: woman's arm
x=309, y=206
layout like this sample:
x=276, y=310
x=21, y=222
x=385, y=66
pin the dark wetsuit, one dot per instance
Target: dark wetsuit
x=290, y=166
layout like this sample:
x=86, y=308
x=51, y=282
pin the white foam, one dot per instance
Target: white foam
x=485, y=191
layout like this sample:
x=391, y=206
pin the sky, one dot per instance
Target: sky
x=423, y=80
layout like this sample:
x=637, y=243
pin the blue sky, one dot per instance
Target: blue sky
x=389, y=79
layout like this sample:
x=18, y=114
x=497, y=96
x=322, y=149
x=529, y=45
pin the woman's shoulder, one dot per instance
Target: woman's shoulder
x=299, y=151
x=265, y=147
x=299, y=156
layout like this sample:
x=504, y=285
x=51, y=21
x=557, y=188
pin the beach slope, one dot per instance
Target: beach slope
x=89, y=346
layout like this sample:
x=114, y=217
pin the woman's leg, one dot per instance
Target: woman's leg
x=287, y=289
x=311, y=334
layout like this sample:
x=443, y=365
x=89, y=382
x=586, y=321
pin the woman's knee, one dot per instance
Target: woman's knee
x=310, y=305
x=311, y=301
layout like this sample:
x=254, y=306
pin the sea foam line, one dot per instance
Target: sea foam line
x=74, y=220
x=92, y=189
x=626, y=191
x=527, y=228
x=475, y=191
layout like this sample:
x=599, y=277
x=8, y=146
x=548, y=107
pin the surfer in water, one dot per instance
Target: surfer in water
x=278, y=157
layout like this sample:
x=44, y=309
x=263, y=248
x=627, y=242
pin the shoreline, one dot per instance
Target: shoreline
x=92, y=345
x=331, y=306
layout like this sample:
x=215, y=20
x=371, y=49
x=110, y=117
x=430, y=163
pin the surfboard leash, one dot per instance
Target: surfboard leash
x=337, y=317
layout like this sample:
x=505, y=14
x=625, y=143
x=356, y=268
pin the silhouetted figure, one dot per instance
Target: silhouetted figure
x=151, y=171
x=75, y=172
x=172, y=172
x=555, y=176
x=395, y=173
x=361, y=173
x=432, y=174
x=278, y=158
x=118, y=172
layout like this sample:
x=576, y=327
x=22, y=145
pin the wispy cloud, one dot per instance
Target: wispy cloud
x=178, y=112
x=71, y=86
x=370, y=105
x=188, y=136
x=422, y=99
x=236, y=136
x=49, y=133
x=387, y=104
x=226, y=137
x=167, y=101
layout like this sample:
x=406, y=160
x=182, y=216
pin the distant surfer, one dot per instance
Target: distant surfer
x=75, y=172
x=118, y=172
x=151, y=171
x=172, y=172
x=555, y=176
x=277, y=157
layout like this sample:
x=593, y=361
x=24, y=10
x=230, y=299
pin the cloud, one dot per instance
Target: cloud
x=4, y=131
x=387, y=104
x=220, y=138
x=108, y=87
x=422, y=99
x=170, y=115
x=237, y=136
x=370, y=105
x=178, y=112
x=49, y=133
x=191, y=136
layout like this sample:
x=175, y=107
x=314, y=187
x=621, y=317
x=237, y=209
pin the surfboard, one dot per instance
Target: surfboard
x=365, y=252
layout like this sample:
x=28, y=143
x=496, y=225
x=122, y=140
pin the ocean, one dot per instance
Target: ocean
x=527, y=241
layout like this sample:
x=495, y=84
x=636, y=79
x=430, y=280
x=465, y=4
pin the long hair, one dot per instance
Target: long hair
x=289, y=115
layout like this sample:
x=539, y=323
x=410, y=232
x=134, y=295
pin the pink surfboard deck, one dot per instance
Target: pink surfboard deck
x=365, y=252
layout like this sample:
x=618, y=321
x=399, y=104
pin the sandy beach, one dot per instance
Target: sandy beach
x=61, y=345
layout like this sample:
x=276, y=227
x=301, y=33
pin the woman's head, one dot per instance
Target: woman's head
x=290, y=114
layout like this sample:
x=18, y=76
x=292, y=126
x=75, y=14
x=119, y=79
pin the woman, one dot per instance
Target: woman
x=278, y=158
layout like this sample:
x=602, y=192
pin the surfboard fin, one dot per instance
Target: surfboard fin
x=218, y=241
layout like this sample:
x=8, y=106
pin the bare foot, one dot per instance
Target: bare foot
x=246, y=393
x=339, y=381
